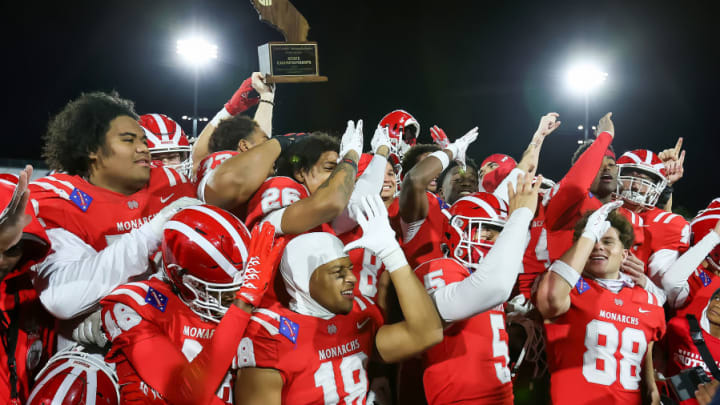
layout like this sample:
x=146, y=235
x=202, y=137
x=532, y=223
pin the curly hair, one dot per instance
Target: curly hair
x=80, y=129
x=413, y=154
x=303, y=154
x=617, y=221
x=230, y=131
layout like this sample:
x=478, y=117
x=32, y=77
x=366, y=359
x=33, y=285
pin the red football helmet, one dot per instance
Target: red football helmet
x=641, y=177
x=166, y=136
x=493, y=171
x=703, y=224
x=73, y=377
x=204, y=250
x=403, y=129
x=466, y=231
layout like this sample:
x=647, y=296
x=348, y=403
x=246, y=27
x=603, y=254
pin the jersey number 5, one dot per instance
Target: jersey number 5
x=599, y=363
x=349, y=366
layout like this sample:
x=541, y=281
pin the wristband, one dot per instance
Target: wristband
x=267, y=101
x=562, y=269
x=350, y=162
x=443, y=157
x=221, y=115
x=394, y=260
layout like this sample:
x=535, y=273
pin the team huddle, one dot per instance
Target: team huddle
x=243, y=267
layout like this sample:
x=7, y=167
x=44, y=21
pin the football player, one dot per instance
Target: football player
x=167, y=142
x=174, y=341
x=694, y=276
x=13, y=218
x=403, y=130
x=26, y=329
x=485, y=240
x=421, y=211
x=414, y=155
x=600, y=327
x=316, y=351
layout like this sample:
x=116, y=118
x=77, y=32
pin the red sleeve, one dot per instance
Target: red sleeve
x=264, y=349
x=440, y=272
x=162, y=365
x=275, y=193
x=565, y=204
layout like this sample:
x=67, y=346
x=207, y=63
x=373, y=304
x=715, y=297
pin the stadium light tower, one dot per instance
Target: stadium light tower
x=584, y=78
x=196, y=52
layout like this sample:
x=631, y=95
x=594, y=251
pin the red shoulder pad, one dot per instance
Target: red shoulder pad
x=212, y=161
x=438, y=273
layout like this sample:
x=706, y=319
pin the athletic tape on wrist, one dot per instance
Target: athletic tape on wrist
x=443, y=157
x=567, y=273
x=395, y=260
x=221, y=115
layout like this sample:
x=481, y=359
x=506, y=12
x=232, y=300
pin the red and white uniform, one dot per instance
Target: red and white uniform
x=320, y=361
x=34, y=344
x=274, y=194
x=147, y=317
x=470, y=365
x=207, y=166
x=86, y=225
x=702, y=284
x=596, y=350
x=425, y=243
x=682, y=352
x=667, y=236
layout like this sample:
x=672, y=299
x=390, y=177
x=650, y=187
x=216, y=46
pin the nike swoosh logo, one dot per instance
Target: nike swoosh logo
x=361, y=324
x=163, y=200
x=643, y=311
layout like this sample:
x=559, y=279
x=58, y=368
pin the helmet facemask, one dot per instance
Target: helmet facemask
x=208, y=300
x=475, y=238
x=641, y=190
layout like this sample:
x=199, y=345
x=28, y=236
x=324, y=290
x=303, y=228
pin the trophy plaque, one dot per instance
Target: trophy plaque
x=293, y=61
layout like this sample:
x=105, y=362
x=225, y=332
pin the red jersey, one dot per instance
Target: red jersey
x=471, y=363
x=537, y=257
x=425, y=245
x=596, y=350
x=159, y=313
x=275, y=193
x=206, y=167
x=97, y=215
x=320, y=361
x=667, y=236
x=34, y=342
x=682, y=352
x=703, y=284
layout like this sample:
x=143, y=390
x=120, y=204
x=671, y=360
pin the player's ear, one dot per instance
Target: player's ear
x=299, y=176
x=243, y=145
x=626, y=253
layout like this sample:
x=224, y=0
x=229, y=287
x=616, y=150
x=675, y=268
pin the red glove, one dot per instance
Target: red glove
x=243, y=98
x=439, y=137
x=263, y=258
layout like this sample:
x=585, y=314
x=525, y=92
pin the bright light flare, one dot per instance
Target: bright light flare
x=585, y=77
x=196, y=51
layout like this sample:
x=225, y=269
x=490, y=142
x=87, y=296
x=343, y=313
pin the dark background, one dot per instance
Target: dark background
x=498, y=65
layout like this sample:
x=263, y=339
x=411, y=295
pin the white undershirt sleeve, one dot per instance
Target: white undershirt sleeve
x=501, y=191
x=674, y=281
x=492, y=282
x=75, y=276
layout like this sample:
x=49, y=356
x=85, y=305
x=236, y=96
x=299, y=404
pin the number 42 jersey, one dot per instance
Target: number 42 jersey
x=596, y=350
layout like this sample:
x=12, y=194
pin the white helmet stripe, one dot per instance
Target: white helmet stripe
x=218, y=257
x=225, y=224
x=703, y=218
x=161, y=126
x=634, y=157
x=66, y=384
x=38, y=384
x=487, y=207
x=151, y=137
x=91, y=386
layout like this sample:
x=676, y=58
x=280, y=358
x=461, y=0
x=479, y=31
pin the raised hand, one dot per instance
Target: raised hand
x=635, y=268
x=674, y=158
x=381, y=137
x=548, y=123
x=606, y=125
x=261, y=265
x=597, y=223
x=352, y=139
x=243, y=98
x=439, y=137
x=263, y=89
x=459, y=147
x=13, y=218
x=525, y=194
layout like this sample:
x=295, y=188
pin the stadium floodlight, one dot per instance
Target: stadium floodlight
x=196, y=51
x=585, y=77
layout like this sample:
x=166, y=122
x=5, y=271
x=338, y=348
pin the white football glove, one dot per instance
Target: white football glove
x=159, y=220
x=597, y=223
x=352, y=139
x=378, y=237
x=459, y=147
x=380, y=138
x=89, y=332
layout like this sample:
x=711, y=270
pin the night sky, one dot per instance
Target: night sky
x=498, y=65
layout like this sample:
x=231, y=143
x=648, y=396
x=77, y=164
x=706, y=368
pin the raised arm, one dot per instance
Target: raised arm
x=421, y=328
x=553, y=294
x=413, y=201
x=13, y=218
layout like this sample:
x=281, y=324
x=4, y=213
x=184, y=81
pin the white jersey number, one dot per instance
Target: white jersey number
x=271, y=198
x=368, y=274
x=356, y=390
x=599, y=363
x=500, y=348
